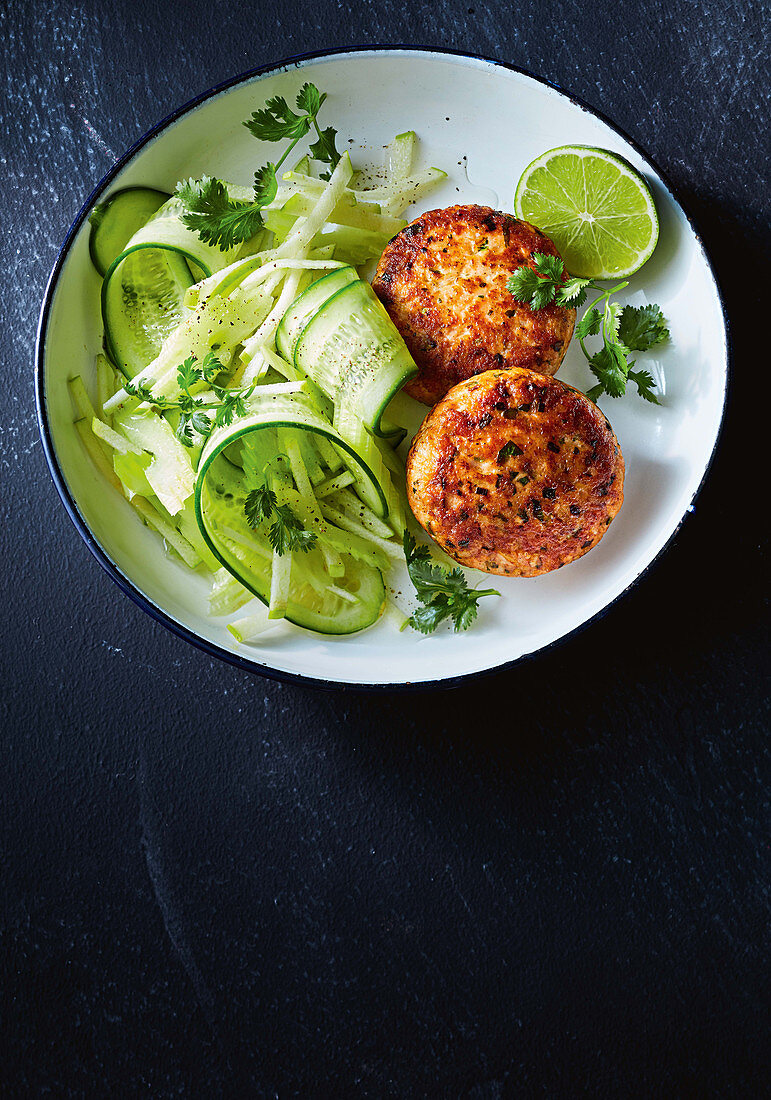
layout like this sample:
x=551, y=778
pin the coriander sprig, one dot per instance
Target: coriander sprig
x=214, y=216
x=196, y=414
x=443, y=593
x=226, y=222
x=285, y=533
x=623, y=329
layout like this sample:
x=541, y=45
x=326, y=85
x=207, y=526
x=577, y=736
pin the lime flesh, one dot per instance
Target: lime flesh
x=594, y=206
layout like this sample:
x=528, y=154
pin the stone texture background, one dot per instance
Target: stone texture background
x=551, y=882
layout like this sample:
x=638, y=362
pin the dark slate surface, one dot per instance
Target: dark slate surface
x=551, y=882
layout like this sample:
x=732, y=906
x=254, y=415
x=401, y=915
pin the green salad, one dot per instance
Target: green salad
x=240, y=403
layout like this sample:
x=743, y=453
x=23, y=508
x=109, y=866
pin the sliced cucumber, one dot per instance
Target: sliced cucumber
x=115, y=221
x=167, y=228
x=144, y=288
x=351, y=348
x=289, y=411
x=306, y=305
x=356, y=598
x=142, y=303
x=315, y=606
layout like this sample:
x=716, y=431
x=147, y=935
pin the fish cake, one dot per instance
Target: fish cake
x=515, y=473
x=443, y=281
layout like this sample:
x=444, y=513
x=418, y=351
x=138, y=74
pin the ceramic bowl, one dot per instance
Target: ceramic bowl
x=483, y=122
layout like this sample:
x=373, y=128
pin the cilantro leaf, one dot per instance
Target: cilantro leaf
x=612, y=322
x=443, y=594
x=184, y=432
x=589, y=325
x=142, y=390
x=324, y=149
x=428, y=578
x=227, y=411
x=413, y=551
x=232, y=404
x=226, y=222
x=195, y=411
x=277, y=121
x=624, y=329
x=609, y=366
x=286, y=533
x=259, y=504
x=543, y=294
x=309, y=99
x=537, y=288
x=643, y=379
x=642, y=327
x=187, y=373
x=522, y=284
x=464, y=615
x=265, y=184
x=193, y=418
x=211, y=366
x=428, y=617
x=200, y=422
x=573, y=292
x=551, y=267
x=216, y=218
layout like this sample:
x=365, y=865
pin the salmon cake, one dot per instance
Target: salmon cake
x=443, y=281
x=515, y=473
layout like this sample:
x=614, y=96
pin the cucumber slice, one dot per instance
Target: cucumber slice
x=167, y=228
x=356, y=598
x=288, y=411
x=306, y=305
x=115, y=221
x=142, y=303
x=144, y=288
x=314, y=606
x=353, y=351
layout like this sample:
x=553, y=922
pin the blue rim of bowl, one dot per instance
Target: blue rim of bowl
x=210, y=648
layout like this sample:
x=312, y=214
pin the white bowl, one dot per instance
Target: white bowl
x=483, y=122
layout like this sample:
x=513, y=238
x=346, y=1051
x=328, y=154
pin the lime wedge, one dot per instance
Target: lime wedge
x=594, y=206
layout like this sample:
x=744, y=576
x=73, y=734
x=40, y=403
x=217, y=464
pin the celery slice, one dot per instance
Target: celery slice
x=170, y=472
x=249, y=627
x=280, y=577
x=400, y=154
x=227, y=594
x=340, y=519
x=118, y=442
x=334, y=484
